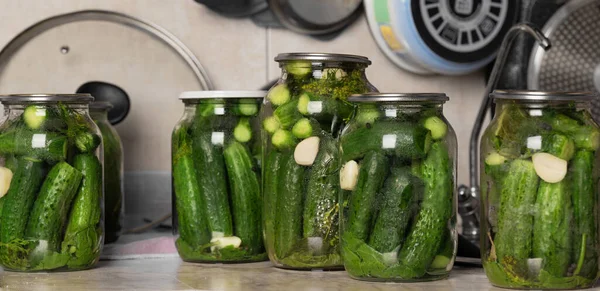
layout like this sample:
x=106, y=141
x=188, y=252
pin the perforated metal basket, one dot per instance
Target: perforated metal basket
x=573, y=63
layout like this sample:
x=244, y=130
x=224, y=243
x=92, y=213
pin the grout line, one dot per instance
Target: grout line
x=268, y=52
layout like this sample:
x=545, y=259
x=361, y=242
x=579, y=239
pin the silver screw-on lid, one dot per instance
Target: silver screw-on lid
x=221, y=94
x=46, y=98
x=527, y=95
x=322, y=57
x=399, y=97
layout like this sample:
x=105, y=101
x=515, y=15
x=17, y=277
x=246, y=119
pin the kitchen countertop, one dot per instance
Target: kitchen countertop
x=173, y=274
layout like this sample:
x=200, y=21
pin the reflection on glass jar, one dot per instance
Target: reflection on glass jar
x=539, y=177
x=302, y=117
x=113, y=172
x=216, y=191
x=50, y=183
x=398, y=197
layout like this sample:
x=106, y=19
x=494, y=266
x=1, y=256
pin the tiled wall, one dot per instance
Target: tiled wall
x=236, y=53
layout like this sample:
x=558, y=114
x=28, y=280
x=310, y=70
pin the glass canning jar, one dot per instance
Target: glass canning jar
x=302, y=117
x=398, y=200
x=216, y=191
x=51, y=183
x=539, y=180
x=114, y=201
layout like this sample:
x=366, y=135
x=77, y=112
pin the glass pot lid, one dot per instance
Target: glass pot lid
x=59, y=54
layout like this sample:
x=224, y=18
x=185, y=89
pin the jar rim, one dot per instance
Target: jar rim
x=399, y=97
x=532, y=95
x=80, y=98
x=101, y=105
x=322, y=57
x=218, y=94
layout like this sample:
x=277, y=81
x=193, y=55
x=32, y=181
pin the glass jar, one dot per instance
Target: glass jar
x=114, y=201
x=216, y=191
x=539, y=175
x=50, y=183
x=397, y=177
x=302, y=117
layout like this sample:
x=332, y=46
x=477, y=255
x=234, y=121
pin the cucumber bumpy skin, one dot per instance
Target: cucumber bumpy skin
x=212, y=179
x=82, y=237
x=513, y=239
x=290, y=205
x=245, y=197
x=27, y=179
x=51, y=208
x=585, y=202
x=363, y=200
x=396, y=210
x=427, y=231
x=402, y=139
x=48, y=146
x=552, y=237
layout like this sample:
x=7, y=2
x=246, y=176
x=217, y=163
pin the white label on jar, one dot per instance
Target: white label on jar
x=219, y=110
x=314, y=107
x=38, y=140
x=317, y=74
x=388, y=141
x=217, y=138
x=534, y=142
x=535, y=112
x=40, y=112
x=391, y=113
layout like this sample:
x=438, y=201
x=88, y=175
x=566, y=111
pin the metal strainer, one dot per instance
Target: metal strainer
x=573, y=63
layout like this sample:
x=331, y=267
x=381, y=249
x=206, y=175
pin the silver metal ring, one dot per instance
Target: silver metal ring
x=102, y=15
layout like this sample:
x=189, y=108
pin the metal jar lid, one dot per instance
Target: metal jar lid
x=322, y=57
x=399, y=97
x=46, y=98
x=527, y=95
x=191, y=95
x=101, y=106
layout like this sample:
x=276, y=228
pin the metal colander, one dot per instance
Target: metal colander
x=573, y=63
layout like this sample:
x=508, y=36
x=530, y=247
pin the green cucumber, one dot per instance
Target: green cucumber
x=585, y=203
x=290, y=200
x=298, y=68
x=10, y=162
x=552, y=237
x=51, y=208
x=24, y=186
x=47, y=146
x=191, y=218
x=303, y=128
x=584, y=136
x=402, y=139
x=391, y=225
x=363, y=200
x=437, y=126
x=433, y=219
x=320, y=208
x=283, y=139
x=514, y=235
x=245, y=197
x=82, y=237
x=270, y=186
x=271, y=124
x=212, y=178
x=279, y=95
x=367, y=113
x=243, y=131
x=246, y=107
x=34, y=116
x=287, y=114
x=87, y=142
x=323, y=108
x=558, y=145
